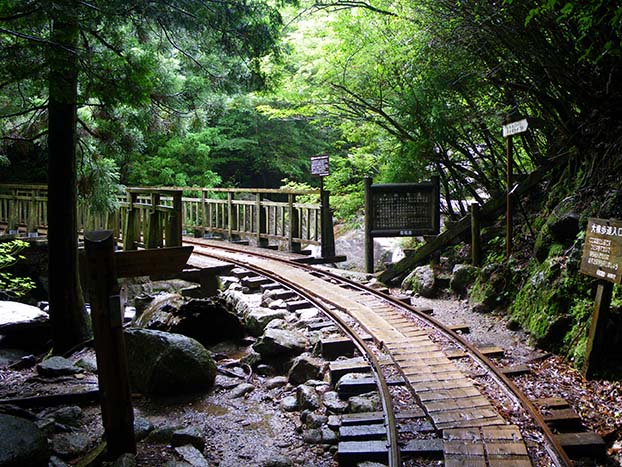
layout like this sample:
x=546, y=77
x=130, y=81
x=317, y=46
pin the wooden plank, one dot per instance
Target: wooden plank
x=151, y=262
x=584, y=444
x=552, y=403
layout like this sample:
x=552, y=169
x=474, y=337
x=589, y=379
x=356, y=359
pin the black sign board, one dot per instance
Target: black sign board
x=320, y=166
x=404, y=209
x=602, y=251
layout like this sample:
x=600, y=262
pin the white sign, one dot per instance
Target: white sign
x=515, y=127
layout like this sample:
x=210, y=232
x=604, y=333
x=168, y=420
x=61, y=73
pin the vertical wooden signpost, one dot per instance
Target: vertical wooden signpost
x=602, y=259
x=104, y=266
x=509, y=130
x=320, y=167
x=114, y=387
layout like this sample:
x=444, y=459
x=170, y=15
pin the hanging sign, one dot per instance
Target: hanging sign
x=514, y=128
x=320, y=165
x=602, y=252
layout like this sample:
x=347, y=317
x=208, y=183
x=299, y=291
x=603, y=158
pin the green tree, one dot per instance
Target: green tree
x=102, y=54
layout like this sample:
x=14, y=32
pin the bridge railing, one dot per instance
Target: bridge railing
x=153, y=217
x=263, y=215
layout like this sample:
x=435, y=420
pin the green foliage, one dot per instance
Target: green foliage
x=11, y=286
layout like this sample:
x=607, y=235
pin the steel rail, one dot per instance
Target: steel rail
x=553, y=447
x=394, y=458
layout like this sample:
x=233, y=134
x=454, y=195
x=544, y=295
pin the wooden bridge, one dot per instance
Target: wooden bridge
x=159, y=216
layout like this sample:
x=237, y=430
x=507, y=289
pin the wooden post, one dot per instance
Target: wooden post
x=294, y=224
x=326, y=219
x=508, y=200
x=130, y=229
x=154, y=229
x=262, y=221
x=595, y=346
x=203, y=222
x=369, y=240
x=476, y=245
x=173, y=229
x=114, y=388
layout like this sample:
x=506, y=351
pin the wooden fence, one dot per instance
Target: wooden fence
x=154, y=217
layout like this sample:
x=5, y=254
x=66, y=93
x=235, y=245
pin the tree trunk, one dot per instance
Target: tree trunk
x=70, y=323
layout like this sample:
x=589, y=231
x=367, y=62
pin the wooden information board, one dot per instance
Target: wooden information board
x=602, y=252
x=320, y=166
x=404, y=209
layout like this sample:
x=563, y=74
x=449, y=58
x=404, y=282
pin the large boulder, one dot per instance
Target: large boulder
x=462, y=277
x=421, y=281
x=276, y=342
x=15, y=316
x=22, y=443
x=304, y=368
x=166, y=363
x=209, y=321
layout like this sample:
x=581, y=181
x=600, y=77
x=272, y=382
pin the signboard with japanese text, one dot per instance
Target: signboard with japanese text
x=514, y=128
x=320, y=166
x=404, y=209
x=602, y=252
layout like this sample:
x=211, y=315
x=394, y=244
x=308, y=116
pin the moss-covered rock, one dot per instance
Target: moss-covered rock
x=490, y=288
x=422, y=281
x=462, y=277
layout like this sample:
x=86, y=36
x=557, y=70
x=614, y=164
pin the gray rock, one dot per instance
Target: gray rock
x=333, y=403
x=369, y=402
x=22, y=443
x=314, y=420
x=278, y=461
x=192, y=455
x=370, y=464
x=57, y=366
x=277, y=324
x=125, y=460
x=263, y=369
x=70, y=445
x=88, y=363
x=142, y=428
x=304, y=368
x=313, y=436
x=208, y=321
x=279, y=304
x=276, y=382
x=280, y=342
x=190, y=435
x=241, y=390
x=162, y=434
x=257, y=320
x=57, y=462
x=307, y=397
x=165, y=363
x=15, y=316
x=421, y=281
x=334, y=422
x=328, y=436
x=462, y=276
x=68, y=415
x=289, y=404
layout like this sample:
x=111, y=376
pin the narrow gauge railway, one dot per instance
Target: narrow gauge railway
x=434, y=407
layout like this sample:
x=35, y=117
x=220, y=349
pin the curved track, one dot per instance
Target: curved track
x=415, y=343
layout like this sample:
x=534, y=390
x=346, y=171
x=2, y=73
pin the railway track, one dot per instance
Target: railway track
x=457, y=404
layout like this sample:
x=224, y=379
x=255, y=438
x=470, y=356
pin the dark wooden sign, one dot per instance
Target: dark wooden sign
x=320, y=165
x=400, y=210
x=404, y=209
x=602, y=252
